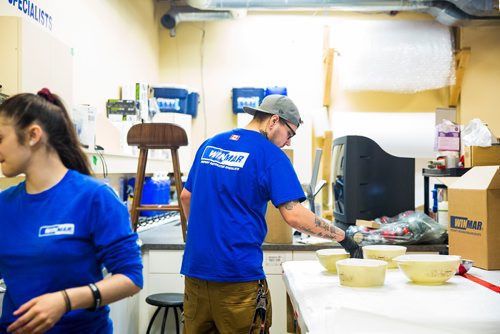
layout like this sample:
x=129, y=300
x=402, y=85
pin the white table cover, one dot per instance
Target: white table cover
x=322, y=305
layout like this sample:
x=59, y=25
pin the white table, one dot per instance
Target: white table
x=322, y=305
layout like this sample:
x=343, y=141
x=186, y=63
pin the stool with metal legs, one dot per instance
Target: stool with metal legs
x=166, y=300
x=148, y=136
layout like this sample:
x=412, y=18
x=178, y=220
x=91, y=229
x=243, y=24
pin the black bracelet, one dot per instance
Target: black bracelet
x=97, y=296
x=67, y=301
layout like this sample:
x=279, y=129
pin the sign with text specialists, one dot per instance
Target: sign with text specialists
x=33, y=11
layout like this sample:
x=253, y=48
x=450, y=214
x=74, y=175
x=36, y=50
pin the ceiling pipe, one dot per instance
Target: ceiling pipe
x=357, y=5
x=480, y=8
x=449, y=15
x=189, y=14
x=448, y=12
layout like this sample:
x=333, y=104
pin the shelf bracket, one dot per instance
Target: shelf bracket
x=461, y=60
x=328, y=54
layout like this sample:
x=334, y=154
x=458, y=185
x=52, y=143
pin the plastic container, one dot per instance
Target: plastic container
x=192, y=104
x=443, y=214
x=276, y=90
x=437, y=195
x=171, y=99
x=247, y=97
x=155, y=191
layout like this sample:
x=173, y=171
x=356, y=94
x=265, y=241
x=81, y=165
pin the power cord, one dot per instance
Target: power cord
x=99, y=149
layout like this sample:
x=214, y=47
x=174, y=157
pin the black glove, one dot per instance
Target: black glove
x=352, y=247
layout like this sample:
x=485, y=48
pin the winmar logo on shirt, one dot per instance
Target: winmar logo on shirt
x=224, y=157
x=47, y=231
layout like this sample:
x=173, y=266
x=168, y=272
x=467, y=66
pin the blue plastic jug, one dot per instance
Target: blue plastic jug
x=155, y=191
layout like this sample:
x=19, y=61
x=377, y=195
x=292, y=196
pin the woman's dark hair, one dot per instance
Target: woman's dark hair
x=48, y=111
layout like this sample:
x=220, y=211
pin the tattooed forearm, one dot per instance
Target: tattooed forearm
x=317, y=226
x=305, y=230
x=324, y=229
x=290, y=205
x=330, y=230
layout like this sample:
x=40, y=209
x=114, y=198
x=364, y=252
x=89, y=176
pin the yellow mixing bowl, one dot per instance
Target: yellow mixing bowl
x=328, y=257
x=428, y=268
x=361, y=272
x=384, y=252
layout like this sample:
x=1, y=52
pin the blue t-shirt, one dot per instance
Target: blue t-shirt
x=233, y=176
x=61, y=238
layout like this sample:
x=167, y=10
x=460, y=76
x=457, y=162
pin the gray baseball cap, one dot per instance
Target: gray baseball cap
x=280, y=105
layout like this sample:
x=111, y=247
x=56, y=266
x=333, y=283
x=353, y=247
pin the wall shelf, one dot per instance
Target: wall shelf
x=126, y=164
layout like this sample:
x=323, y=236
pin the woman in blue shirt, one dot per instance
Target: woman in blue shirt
x=59, y=228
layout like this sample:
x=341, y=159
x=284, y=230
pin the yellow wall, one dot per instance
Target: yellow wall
x=264, y=49
x=286, y=49
x=122, y=41
x=481, y=88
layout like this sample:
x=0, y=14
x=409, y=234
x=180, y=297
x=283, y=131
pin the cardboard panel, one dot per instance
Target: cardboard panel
x=278, y=231
x=474, y=211
x=481, y=156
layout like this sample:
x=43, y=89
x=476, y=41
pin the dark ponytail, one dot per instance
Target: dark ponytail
x=48, y=111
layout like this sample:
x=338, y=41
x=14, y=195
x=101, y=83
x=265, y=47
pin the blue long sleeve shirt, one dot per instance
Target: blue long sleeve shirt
x=62, y=238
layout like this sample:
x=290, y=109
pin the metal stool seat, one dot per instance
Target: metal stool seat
x=166, y=300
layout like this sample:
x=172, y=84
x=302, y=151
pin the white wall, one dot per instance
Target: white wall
x=113, y=42
x=255, y=51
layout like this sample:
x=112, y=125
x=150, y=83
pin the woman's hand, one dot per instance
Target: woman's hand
x=39, y=314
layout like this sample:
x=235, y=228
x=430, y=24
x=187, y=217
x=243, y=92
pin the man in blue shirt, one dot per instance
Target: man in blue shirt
x=234, y=175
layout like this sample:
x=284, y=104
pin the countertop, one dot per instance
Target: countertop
x=322, y=306
x=169, y=237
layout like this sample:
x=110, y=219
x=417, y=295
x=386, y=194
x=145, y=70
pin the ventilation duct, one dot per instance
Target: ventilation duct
x=468, y=14
x=189, y=14
x=449, y=12
x=358, y=5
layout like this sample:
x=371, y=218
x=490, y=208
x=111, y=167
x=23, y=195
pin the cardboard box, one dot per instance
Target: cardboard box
x=481, y=156
x=368, y=223
x=474, y=211
x=447, y=137
x=278, y=231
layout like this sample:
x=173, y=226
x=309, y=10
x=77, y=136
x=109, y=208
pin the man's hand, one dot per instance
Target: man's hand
x=39, y=314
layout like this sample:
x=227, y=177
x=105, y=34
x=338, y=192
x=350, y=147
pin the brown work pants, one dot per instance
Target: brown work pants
x=223, y=307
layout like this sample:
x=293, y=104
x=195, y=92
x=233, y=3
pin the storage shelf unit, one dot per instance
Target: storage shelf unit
x=448, y=172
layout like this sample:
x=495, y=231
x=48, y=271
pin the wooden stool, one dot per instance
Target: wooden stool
x=166, y=300
x=148, y=136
